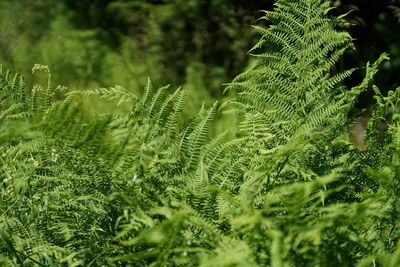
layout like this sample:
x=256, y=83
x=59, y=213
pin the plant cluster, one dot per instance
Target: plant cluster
x=146, y=187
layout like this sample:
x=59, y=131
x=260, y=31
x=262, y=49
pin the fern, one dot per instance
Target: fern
x=292, y=84
x=147, y=188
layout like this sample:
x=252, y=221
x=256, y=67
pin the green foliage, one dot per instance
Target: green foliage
x=145, y=186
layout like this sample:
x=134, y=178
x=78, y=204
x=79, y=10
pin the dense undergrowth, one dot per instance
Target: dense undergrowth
x=146, y=187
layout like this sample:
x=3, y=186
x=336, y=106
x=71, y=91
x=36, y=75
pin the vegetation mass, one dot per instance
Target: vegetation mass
x=151, y=184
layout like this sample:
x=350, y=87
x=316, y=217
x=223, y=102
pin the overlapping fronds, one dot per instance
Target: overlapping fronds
x=144, y=187
x=295, y=82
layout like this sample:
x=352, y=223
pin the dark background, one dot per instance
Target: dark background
x=198, y=43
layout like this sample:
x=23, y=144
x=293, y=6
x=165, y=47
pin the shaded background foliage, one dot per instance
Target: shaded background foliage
x=103, y=42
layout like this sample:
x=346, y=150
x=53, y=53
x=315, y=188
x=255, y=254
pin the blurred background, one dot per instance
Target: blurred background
x=199, y=44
